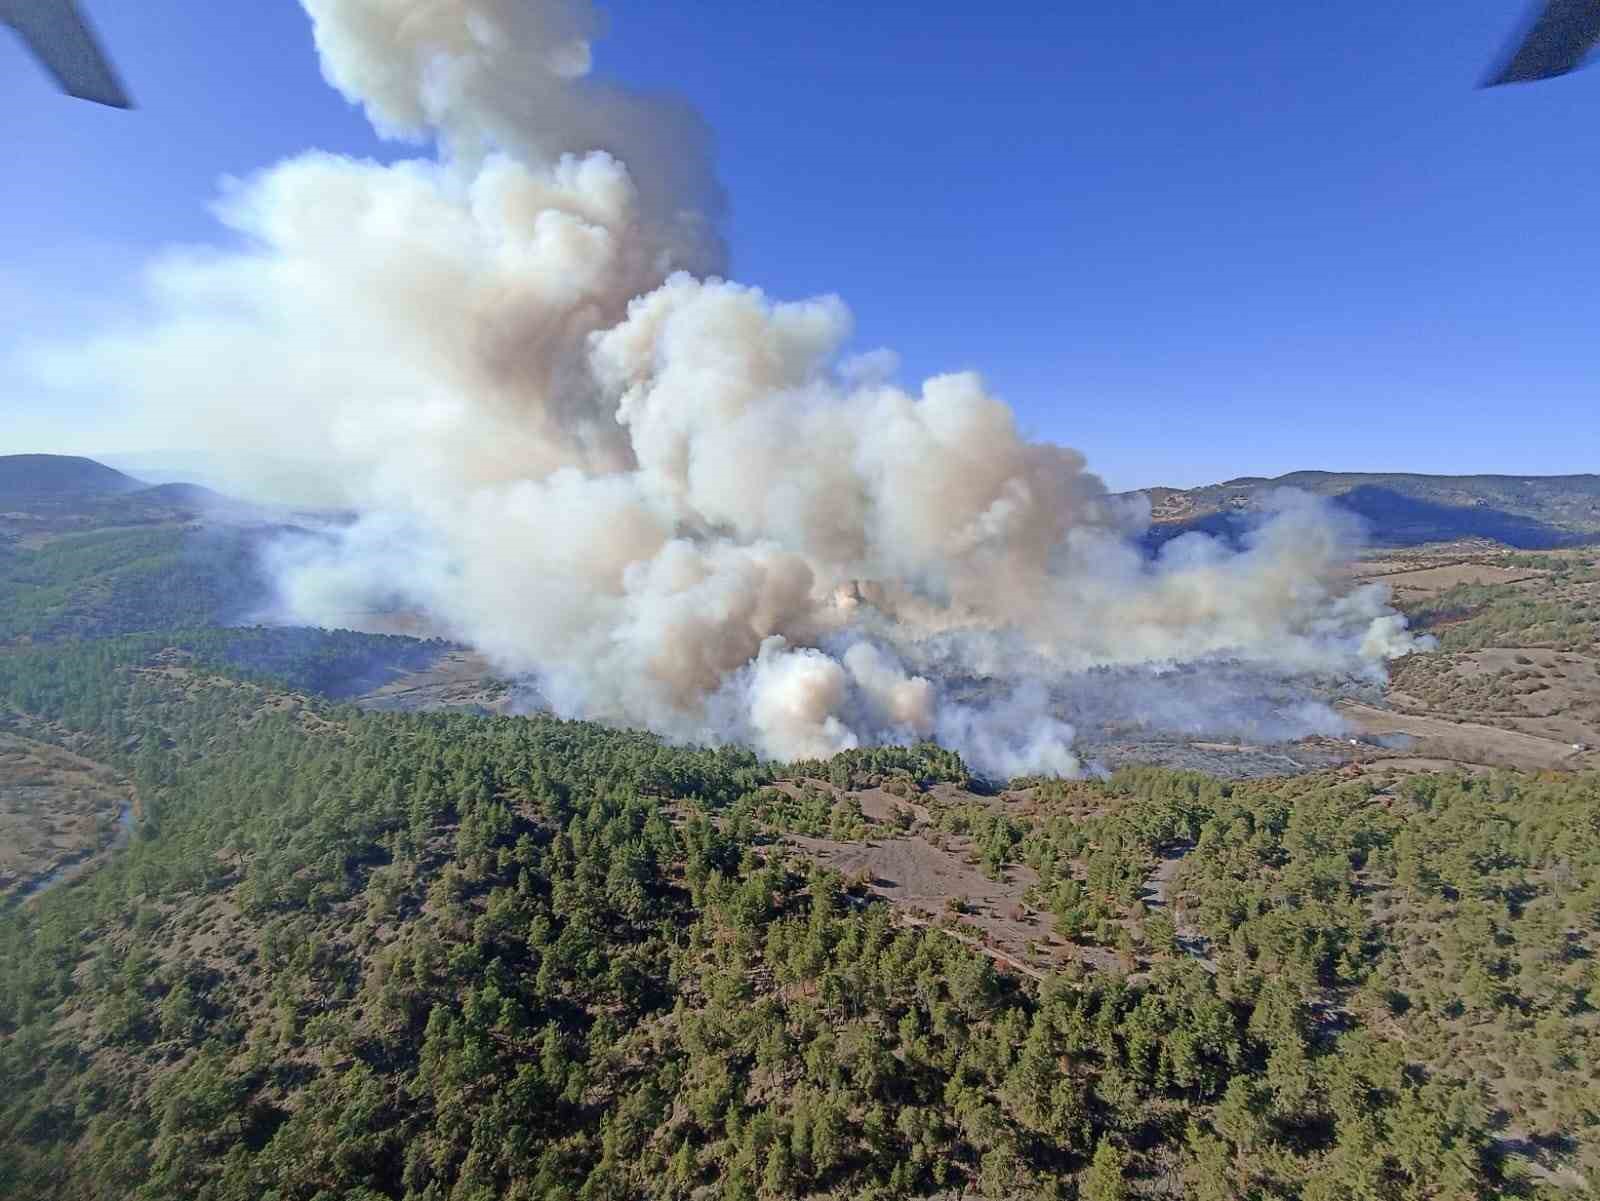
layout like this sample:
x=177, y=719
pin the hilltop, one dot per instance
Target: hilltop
x=1403, y=509
x=32, y=478
x=43, y=497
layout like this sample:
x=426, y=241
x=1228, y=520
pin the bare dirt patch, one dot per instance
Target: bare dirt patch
x=935, y=885
x=879, y=805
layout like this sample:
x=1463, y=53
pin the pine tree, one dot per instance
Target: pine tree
x=1104, y=1181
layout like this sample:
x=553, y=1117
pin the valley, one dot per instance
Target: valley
x=57, y=811
x=297, y=875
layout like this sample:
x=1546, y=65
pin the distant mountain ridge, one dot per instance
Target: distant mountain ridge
x=57, y=483
x=32, y=478
x=1400, y=508
x=1403, y=509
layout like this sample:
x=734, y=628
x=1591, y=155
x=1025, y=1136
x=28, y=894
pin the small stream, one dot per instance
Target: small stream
x=125, y=823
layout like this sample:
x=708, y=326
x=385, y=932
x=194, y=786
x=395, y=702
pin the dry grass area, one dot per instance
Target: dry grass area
x=56, y=809
x=1386, y=560
x=1434, y=567
x=1537, y=691
x=1458, y=742
x=1516, y=679
x=459, y=680
x=1409, y=582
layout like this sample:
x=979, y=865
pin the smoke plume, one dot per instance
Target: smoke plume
x=671, y=499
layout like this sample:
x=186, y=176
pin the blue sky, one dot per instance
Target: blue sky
x=1194, y=241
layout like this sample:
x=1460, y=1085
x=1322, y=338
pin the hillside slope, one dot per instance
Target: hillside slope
x=420, y=956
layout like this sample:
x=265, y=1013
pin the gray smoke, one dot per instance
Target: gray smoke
x=673, y=501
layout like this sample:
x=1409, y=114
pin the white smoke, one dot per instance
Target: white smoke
x=671, y=499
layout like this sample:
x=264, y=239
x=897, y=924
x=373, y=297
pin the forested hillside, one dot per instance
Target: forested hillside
x=117, y=581
x=362, y=955
x=427, y=956
x=87, y=552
